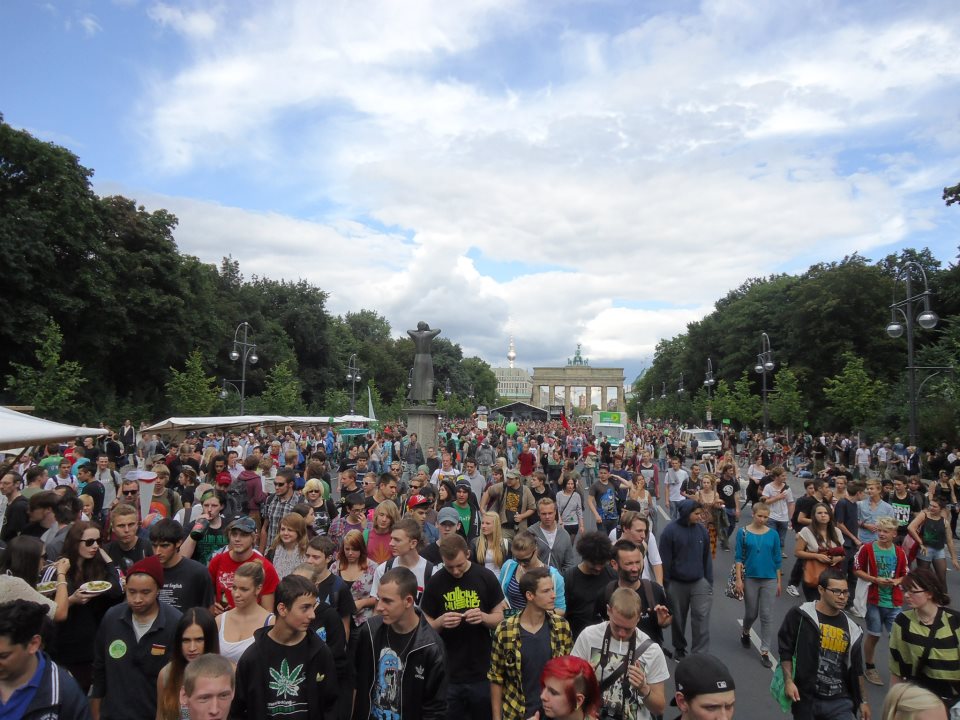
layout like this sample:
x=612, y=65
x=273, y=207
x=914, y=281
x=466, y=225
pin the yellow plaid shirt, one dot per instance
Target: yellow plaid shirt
x=505, y=660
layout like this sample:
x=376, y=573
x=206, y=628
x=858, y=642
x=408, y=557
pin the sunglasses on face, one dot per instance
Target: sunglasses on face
x=524, y=561
x=130, y=492
x=90, y=542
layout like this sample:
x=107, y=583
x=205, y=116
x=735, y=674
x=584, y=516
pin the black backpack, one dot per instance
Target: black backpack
x=237, y=498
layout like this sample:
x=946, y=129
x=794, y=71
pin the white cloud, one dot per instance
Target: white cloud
x=91, y=26
x=660, y=163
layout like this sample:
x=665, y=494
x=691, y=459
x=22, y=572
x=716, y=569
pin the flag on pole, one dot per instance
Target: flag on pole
x=370, y=403
x=563, y=419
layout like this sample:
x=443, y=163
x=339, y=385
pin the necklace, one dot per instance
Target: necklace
x=399, y=639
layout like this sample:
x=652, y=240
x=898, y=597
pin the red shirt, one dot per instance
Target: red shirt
x=527, y=461
x=223, y=567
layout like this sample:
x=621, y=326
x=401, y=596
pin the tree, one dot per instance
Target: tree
x=282, y=393
x=951, y=195
x=191, y=392
x=52, y=387
x=745, y=407
x=786, y=404
x=852, y=395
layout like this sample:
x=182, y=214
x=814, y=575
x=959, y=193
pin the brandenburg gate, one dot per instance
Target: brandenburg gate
x=578, y=373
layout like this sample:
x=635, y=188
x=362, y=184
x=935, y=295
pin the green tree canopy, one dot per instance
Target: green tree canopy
x=52, y=386
x=191, y=392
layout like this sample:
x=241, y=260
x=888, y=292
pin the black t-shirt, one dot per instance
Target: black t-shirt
x=803, y=505
x=904, y=510
x=285, y=697
x=187, y=585
x=546, y=492
x=334, y=591
x=648, y=616
x=432, y=553
x=126, y=558
x=213, y=539
x=727, y=489
x=94, y=489
x=535, y=651
x=585, y=597
x=834, y=646
x=18, y=516
x=468, y=646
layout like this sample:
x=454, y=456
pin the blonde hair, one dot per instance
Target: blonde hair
x=887, y=523
x=495, y=542
x=905, y=700
x=390, y=508
x=314, y=484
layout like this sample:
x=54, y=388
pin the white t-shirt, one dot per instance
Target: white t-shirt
x=675, y=478
x=863, y=456
x=419, y=570
x=588, y=647
x=550, y=537
x=779, y=510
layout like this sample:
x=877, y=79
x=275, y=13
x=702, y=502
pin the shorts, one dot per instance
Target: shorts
x=932, y=554
x=880, y=618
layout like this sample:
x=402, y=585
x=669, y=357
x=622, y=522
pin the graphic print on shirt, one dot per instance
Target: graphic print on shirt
x=608, y=504
x=613, y=700
x=834, y=642
x=285, y=683
x=459, y=599
x=386, y=692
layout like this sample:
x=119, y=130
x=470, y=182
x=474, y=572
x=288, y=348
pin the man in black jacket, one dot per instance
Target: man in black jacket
x=400, y=658
x=288, y=671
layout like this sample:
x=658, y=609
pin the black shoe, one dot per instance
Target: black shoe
x=766, y=661
x=745, y=640
x=679, y=655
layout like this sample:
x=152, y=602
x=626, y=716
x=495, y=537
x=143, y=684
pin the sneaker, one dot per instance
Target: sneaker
x=792, y=590
x=765, y=660
x=873, y=676
x=745, y=640
x=783, y=555
x=679, y=655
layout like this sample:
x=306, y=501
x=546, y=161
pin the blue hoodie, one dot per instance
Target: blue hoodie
x=685, y=548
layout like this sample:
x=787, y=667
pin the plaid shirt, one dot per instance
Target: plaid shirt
x=273, y=511
x=505, y=660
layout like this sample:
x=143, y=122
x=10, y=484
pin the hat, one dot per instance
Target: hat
x=448, y=515
x=701, y=674
x=418, y=501
x=140, y=475
x=462, y=482
x=244, y=524
x=224, y=478
x=151, y=566
x=512, y=473
x=603, y=466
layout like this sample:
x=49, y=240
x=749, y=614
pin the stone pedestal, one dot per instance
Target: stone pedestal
x=423, y=420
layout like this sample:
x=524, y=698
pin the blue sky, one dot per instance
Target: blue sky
x=597, y=172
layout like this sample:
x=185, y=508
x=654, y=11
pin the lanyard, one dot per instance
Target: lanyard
x=621, y=671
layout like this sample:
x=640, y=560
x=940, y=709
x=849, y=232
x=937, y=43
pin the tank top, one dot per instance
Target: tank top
x=934, y=533
x=232, y=651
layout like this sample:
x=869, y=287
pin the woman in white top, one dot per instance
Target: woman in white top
x=778, y=496
x=820, y=544
x=236, y=627
x=570, y=505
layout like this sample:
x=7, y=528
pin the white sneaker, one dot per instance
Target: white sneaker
x=792, y=590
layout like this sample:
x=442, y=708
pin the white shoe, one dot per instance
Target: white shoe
x=792, y=590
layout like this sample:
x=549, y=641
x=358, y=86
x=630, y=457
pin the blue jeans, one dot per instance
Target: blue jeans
x=823, y=709
x=880, y=619
x=781, y=527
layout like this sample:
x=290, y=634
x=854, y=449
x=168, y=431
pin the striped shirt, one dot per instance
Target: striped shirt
x=940, y=672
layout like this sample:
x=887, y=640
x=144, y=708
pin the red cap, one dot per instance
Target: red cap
x=417, y=501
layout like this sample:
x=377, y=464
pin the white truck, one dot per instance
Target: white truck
x=613, y=425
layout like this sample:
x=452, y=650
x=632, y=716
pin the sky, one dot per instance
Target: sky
x=596, y=172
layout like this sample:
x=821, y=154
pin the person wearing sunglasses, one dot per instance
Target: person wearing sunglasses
x=74, y=640
x=526, y=558
x=828, y=680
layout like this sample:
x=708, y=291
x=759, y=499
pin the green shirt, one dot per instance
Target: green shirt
x=886, y=567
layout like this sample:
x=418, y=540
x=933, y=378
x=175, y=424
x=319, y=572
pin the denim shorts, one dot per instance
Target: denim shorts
x=880, y=618
x=932, y=554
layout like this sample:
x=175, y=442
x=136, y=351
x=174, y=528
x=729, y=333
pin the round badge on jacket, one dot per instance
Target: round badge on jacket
x=117, y=649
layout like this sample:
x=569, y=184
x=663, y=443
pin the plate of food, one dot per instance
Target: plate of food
x=95, y=587
x=47, y=588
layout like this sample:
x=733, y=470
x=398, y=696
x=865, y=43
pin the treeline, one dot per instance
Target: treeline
x=103, y=318
x=836, y=368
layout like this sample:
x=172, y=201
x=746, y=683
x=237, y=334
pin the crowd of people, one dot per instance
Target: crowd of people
x=298, y=573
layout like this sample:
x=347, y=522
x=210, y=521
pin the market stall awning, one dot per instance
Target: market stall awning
x=187, y=424
x=18, y=430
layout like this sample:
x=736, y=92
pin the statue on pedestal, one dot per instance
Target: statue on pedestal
x=421, y=385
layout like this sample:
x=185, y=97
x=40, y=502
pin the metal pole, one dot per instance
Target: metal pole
x=243, y=371
x=765, y=419
x=911, y=370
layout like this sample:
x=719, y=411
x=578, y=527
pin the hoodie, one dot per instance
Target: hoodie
x=58, y=696
x=255, y=493
x=685, y=548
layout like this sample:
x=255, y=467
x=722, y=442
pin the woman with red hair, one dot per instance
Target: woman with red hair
x=570, y=689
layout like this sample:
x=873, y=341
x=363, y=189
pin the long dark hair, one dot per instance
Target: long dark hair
x=22, y=558
x=831, y=538
x=169, y=701
x=80, y=572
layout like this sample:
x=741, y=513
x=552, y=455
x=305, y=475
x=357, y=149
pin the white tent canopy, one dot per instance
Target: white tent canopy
x=186, y=424
x=18, y=430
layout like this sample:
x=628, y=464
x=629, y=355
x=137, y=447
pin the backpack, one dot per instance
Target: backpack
x=427, y=574
x=237, y=498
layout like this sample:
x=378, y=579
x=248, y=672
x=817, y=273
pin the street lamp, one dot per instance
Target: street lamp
x=248, y=352
x=471, y=395
x=447, y=392
x=410, y=379
x=709, y=382
x=353, y=377
x=765, y=365
x=223, y=389
x=663, y=391
x=927, y=319
x=680, y=385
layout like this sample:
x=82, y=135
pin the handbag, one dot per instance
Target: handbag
x=730, y=589
x=778, y=682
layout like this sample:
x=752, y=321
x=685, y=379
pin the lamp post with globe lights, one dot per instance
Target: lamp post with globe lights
x=764, y=365
x=906, y=310
x=353, y=377
x=246, y=352
x=708, y=383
